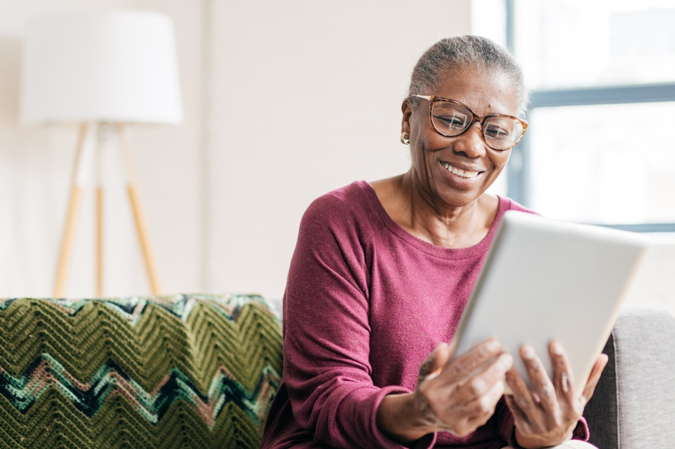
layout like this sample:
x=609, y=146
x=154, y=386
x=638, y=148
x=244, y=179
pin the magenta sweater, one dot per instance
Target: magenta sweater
x=365, y=304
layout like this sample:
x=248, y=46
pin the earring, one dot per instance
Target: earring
x=405, y=138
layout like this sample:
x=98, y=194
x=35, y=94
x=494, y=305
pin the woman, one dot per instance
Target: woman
x=382, y=272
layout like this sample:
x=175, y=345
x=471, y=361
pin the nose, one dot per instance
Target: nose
x=471, y=142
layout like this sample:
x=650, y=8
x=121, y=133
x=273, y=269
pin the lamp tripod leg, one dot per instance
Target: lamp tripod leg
x=71, y=217
x=99, y=241
x=136, y=209
x=99, y=209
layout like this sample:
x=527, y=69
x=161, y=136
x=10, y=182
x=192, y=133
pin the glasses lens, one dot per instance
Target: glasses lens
x=450, y=119
x=502, y=133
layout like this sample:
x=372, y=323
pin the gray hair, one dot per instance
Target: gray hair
x=461, y=52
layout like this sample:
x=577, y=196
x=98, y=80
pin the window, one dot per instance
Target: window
x=621, y=169
x=601, y=142
x=577, y=43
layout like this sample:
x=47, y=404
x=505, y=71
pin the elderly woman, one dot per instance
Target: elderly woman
x=382, y=272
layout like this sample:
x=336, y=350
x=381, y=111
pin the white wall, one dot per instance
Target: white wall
x=306, y=97
x=654, y=284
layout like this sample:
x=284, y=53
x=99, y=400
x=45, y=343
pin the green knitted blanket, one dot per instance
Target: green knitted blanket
x=190, y=371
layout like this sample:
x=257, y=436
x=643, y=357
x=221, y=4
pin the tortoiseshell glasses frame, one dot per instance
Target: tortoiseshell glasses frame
x=500, y=132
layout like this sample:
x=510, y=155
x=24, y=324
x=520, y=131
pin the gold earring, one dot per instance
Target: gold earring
x=405, y=138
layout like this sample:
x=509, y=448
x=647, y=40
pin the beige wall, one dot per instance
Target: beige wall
x=306, y=97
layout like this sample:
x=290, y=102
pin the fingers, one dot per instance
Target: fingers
x=471, y=415
x=521, y=394
x=519, y=414
x=482, y=382
x=482, y=407
x=536, y=410
x=543, y=391
x=463, y=366
x=594, y=378
x=547, y=412
x=563, y=378
x=476, y=372
x=435, y=361
x=461, y=395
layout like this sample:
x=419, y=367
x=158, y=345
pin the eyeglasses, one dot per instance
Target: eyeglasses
x=451, y=118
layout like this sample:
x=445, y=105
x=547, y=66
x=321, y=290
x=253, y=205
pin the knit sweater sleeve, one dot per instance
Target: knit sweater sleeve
x=327, y=335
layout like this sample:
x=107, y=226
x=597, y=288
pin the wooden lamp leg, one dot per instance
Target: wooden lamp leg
x=99, y=241
x=71, y=217
x=99, y=212
x=136, y=208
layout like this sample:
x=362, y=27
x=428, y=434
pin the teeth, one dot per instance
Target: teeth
x=459, y=172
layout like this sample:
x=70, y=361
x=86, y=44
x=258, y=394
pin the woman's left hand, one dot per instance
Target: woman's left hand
x=547, y=414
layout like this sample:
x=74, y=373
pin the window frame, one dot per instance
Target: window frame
x=518, y=170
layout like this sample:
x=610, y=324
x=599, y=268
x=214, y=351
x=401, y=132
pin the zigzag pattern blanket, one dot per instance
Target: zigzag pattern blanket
x=190, y=371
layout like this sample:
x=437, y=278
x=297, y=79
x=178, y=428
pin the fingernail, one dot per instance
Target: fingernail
x=536, y=398
x=505, y=362
x=528, y=352
x=557, y=348
x=492, y=345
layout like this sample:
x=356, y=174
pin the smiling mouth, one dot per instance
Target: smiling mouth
x=459, y=172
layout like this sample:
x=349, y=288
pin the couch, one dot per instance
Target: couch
x=200, y=371
x=634, y=403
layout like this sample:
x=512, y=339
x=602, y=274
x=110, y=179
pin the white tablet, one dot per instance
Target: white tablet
x=549, y=280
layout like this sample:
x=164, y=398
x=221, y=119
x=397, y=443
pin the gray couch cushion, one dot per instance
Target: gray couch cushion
x=634, y=403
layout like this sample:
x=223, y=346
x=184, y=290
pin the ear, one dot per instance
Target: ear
x=406, y=108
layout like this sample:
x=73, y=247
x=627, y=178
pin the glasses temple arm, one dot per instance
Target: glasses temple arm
x=426, y=97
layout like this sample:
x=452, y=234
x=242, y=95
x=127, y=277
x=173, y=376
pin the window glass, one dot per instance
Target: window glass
x=575, y=43
x=612, y=164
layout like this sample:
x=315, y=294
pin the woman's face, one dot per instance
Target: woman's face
x=434, y=156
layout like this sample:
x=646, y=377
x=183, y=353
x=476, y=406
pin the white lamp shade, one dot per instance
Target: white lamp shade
x=115, y=66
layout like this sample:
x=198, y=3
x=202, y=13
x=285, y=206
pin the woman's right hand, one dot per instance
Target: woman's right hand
x=456, y=397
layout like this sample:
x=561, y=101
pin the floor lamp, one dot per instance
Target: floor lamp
x=102, y=70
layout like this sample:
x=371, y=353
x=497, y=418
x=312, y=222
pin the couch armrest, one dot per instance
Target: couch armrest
x=634, y=403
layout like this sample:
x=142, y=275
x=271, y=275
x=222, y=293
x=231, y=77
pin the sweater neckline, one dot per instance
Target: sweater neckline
x=477, y=250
